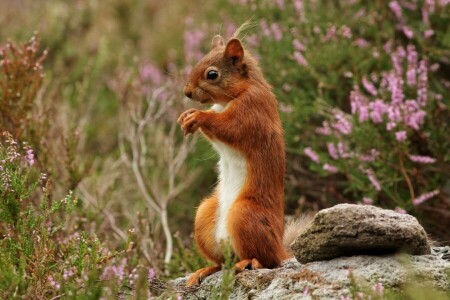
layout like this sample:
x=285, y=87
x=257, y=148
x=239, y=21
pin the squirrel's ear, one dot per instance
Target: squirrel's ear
x=217, y=41
x=235, y=51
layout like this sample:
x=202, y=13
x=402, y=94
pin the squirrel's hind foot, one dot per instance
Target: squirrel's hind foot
x=200, y=274
x=252, y=264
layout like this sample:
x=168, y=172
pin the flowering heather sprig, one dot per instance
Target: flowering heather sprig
x=311, y=154
x=371, y=176
x=396, y=9
x=378, y=288
x=400, y=136
x=368, y=85
x=330, y=168
x=424, y=197
x=151, y=274
x=342, y=124
x=300, y=59
x=411, y=73
x=325, y=129
x=53, y=283
x=367, y=201
x=30, y=157
x=192, y=41
x=299, y=46
x=400, y=210
x=422, y=159
x=332, y=151
x=277, y=32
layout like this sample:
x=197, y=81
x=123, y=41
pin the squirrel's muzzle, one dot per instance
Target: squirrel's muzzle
x=188, y=92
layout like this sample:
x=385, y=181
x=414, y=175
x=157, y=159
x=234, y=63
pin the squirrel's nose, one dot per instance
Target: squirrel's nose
x=188, y=92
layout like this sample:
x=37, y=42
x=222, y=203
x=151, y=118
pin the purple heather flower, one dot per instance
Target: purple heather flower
x=332, y=151
x=371, y=176
x=276, y=30
x=396, y=9
x=298, y=45
x=378, y=288
x=311, y=154
x=424, y=197
x=367, y=201
x=152, y=73
x=330, y=168
x=377, y=109
x=346, y=32
x=371, y=157
x=300, y=59
x=265, y=28
x=325, y=129
x=30, y=157
x=415, y=120
x=280, y=4
x=428, y=33
x=361, y=43
x=342, y=124
x=423, y=83
x=151, y=274
x=400, y=136
x=368, y=85
x=422, y=159
x=408, y=32
x=400, y=210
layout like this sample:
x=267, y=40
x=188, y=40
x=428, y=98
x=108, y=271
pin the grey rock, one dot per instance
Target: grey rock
x=349, y=229
x=327, y=279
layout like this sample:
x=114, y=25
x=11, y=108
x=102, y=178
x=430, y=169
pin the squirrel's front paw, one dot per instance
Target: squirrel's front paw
x=190, y=120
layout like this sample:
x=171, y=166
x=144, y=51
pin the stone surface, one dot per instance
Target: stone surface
x=328, y=279
x=349, y=229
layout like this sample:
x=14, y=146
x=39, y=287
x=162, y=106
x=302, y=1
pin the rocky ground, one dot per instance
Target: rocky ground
x=334, y=251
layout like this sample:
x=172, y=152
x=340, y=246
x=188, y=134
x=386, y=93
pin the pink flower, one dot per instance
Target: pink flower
x=332, y=151
x=378, y=288
x=424, y=197
x=400, y=210
x=280, y=4
x=423, y=83
x=400, y=136
x=371, y=176
x=367, y=201
x=422, y=159
x=428, y=33
x=342, y=124
x=151, y=274
x=330, y=168
x=325, y=129
x=396, y=9
x=300, y=59
x=368, y=85
x=311, y=154
x=408, y=32
x=298, y=45
x=361, y=43
x=276, y=30
x=30, y=156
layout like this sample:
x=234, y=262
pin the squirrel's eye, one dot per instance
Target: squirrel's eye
x=211, y=75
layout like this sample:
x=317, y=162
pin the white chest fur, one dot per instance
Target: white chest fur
x=232, y=175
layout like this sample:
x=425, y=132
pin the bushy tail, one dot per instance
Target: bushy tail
x=294, y=228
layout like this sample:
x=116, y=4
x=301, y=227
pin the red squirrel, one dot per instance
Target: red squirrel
x=246, y=208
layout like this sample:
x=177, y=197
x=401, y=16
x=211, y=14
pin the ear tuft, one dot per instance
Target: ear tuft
x=234, y=50
x=217, y=41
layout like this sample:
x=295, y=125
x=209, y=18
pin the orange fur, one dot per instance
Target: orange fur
x=251, y=125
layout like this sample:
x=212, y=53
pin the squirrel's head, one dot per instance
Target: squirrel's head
x=221, y=75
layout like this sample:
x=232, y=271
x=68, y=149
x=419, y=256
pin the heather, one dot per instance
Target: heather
x=98, y=185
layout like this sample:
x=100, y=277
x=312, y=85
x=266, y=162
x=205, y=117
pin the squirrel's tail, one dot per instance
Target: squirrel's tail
x=294, y=228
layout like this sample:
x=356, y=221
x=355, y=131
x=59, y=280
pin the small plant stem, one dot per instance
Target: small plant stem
x=408, y=181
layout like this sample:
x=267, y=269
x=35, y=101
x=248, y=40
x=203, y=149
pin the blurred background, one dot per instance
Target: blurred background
x=94, y=88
